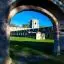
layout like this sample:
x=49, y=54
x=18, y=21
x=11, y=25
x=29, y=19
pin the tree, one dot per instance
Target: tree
x=25, y=25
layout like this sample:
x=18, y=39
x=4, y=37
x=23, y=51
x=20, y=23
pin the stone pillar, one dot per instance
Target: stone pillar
x=3, y=27
x=56, y=42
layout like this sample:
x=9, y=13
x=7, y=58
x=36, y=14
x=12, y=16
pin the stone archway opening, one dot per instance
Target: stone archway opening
x=54, y=21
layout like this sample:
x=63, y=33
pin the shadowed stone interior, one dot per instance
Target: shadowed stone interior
x=4, y=9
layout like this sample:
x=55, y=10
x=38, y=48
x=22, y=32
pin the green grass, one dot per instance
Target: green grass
x=29, y=47
x=30, y=39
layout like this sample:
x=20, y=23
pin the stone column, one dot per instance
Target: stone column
x=56, y=42
x=3, y=33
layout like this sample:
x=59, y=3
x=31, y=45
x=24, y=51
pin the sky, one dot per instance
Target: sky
x=24, y=17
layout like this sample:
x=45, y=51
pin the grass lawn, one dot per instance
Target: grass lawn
x=40, y=45
x=32, y=51
x=30, y=39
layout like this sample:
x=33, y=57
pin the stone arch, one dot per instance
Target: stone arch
x=44, y=11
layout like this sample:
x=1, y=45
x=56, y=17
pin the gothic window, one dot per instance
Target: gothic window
x=35, y=23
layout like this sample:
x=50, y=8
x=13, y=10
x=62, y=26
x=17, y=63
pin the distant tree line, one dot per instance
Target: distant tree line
x=25, y=25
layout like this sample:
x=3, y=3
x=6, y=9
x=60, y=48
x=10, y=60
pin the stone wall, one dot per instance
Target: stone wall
x=4, y=9
x=3, y=27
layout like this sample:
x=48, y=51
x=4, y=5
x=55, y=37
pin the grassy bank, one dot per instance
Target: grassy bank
x=45, y=46
x=31, y=51
x=30, y=39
